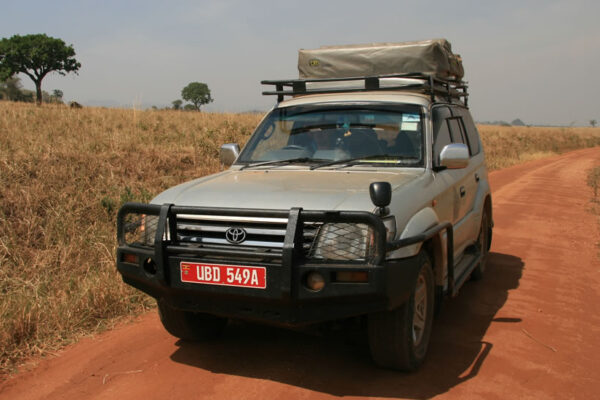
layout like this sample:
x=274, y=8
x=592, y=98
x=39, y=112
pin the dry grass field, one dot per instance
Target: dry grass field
x=64, y=174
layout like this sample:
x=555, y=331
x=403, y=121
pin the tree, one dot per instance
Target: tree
x=55, y=97
x=177, y=104
x=197, y=93
x=47, y=97
x=36, y=56
x=10, y=89
x=593, y=123
x=58, y=95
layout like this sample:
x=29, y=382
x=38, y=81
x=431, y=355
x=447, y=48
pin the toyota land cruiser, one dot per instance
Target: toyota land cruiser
x=363, y=196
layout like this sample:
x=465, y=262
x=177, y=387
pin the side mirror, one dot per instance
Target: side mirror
x=454, y=156
x=381, y=196
x=229, y=153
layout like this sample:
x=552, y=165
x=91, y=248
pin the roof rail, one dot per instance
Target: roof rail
x=450, y=89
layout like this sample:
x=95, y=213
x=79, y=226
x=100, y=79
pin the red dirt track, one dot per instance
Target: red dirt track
x=529, y=329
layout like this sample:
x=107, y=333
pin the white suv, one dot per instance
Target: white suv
x=364, y=197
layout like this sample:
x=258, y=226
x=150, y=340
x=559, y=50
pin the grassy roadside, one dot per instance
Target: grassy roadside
x=64, y=174
x=593, y=180
x=509, y=145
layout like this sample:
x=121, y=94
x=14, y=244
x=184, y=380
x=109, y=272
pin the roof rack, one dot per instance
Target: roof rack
x=450, y=89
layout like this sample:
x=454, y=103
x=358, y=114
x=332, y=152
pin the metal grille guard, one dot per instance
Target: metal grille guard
x=165, y=241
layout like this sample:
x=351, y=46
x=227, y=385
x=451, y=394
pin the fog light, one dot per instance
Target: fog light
x=129, y=258
x=150, y=266
x=315, y=281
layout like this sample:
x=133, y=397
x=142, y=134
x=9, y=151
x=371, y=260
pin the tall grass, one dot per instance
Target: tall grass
x=509, y=145
x=64, y=174
x=593, y=181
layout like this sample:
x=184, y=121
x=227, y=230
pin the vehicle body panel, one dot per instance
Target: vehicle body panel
x=287, y=187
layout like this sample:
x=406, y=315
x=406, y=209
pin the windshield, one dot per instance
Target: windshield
x=389, y=135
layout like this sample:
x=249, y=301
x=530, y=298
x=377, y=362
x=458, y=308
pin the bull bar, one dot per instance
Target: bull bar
x=285, y=301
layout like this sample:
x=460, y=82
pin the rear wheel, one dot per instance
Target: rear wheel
x=190, y=326
x=482, y=246
x=399, y=338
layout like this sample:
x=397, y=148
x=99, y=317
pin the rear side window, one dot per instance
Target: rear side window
x=457, y=130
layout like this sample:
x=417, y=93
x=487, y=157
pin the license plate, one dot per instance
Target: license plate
x=224, y=275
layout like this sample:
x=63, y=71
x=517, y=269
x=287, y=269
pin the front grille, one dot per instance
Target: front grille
x=261, y=233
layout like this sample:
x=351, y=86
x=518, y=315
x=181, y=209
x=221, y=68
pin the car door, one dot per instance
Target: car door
x=476, y=175
x=459, y=186
x=450, y=202
x=466, y=184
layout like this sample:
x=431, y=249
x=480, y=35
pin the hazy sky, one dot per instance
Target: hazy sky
x=534, y=60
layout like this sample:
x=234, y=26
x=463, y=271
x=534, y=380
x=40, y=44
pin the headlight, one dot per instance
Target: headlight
x=343, y=242
x=140, y=229
x=148, y=229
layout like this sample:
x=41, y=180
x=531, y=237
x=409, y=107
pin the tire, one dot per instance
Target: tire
x=483, y=245
x=190, y=326
x=439, y=301
x=399, y=338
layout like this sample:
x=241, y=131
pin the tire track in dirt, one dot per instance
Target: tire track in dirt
x=529, y=329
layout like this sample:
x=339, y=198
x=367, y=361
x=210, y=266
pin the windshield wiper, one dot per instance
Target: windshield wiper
x=356, y=160
x=274, y=162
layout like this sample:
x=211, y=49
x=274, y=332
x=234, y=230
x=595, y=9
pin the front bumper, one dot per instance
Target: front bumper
x=286, y=300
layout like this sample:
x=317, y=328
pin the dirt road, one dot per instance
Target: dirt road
x=529, y=329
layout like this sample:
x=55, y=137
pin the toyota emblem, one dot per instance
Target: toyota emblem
x=235, y=235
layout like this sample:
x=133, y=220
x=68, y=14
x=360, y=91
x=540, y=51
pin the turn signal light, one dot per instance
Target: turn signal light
x=129, y=258
x=352, y=276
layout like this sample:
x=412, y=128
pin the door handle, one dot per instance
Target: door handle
x=476, y=177
x=462, y=191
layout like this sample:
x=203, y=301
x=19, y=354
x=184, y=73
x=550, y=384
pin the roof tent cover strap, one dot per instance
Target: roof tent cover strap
x=432, y=57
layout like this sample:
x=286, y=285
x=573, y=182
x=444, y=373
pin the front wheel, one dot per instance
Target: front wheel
x=399, y=338
x=483, y=244
x=190, y=326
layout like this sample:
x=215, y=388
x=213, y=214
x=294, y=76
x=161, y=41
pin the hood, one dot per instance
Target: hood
x=285, y=188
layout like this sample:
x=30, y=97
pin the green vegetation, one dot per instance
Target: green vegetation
x=197, y=93
x=177, y=104
x=36, y=56
x=11, y=89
